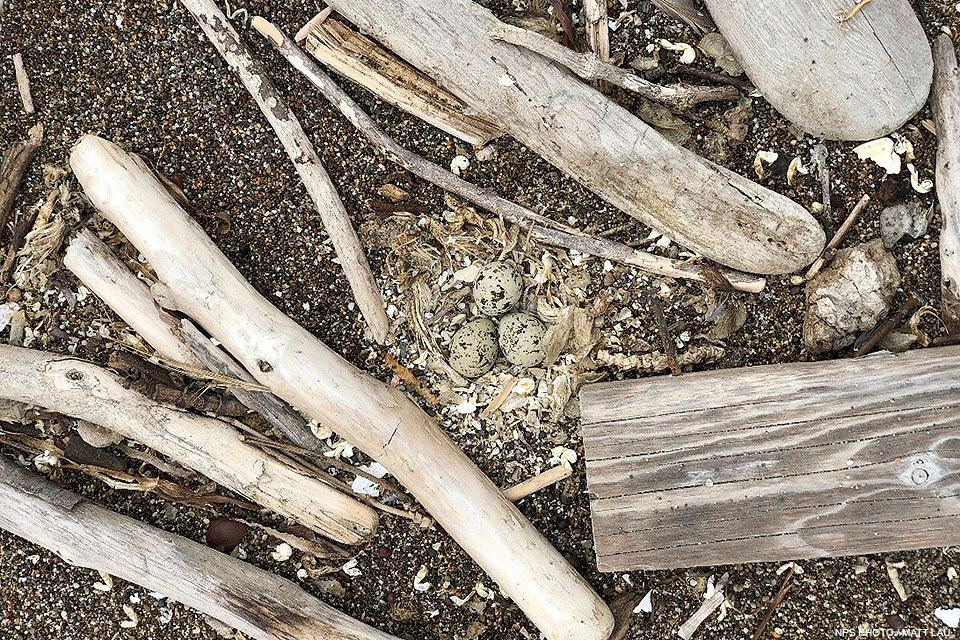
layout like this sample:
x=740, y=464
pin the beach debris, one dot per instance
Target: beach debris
x=225, y=534
x=796, y=168
x=762, y=162
x=920, y=186
x=473, y=350
x=23, y=83
x=646, y=604
x=716, y=46
x=893, y=572
x=687, y=53
x=282, y=552
x=521, y=339
x=945, y=98
x=714, y=599
x=851, y=295
x=881, y=151
x=908, y=218
x=949, y=617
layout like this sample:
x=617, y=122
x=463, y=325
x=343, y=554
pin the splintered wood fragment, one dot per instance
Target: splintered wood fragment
x=945, y=100
x=23, y=83
x=361, y=60
x=80, y=389
x=378, y=418
x=540, y=481
x=778, y=462
x=500, y=398
x=711, y=604
x=257, y=603
x=336, y=221
x=16, y=159
x=543, y=229
x=831, y=249
x=598, y=33
x=678, y=97
x=720, y=215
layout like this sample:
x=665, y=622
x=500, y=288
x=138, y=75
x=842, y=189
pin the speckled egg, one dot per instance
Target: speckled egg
x=497, y=288
x=521, y=339
x=473, y=350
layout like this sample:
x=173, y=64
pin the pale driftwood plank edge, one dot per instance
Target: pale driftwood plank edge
x=945, y=100
x=775, y=462
x=259, y=604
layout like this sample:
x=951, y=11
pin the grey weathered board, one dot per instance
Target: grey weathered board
x=775, y=462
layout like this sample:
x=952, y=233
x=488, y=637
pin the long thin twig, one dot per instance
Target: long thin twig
x=669, y=346
x=777, y=599
x=872, y=339
x=543, y=229
x=831, y=249
x=678, y=97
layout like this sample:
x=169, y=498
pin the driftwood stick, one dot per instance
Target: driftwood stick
x=361, y=60
x=23, y=83
x=130, y=298
x=831, y=249
x=945, y=100
x=677, y=97
x=336, y=221
x=83, y=390
x=16, y=159
x=709, y=605
x=387, y=425
x=540, y=481
x=544, y=229
x=598, y=34
x=259, y=604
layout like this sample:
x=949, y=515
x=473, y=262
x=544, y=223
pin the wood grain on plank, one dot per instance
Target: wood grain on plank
x=775, y=462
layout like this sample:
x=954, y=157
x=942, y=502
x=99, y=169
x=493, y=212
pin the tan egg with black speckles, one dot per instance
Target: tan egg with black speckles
x=521, y=339
x=473, y=350
x=497, y=289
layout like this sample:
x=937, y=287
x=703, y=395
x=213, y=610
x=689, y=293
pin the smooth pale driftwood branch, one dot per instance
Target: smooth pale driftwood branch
x=361, y=60
x=259, y=604
x=335, y=219
x=945, y=99
x=16, y=159
x=678, y=97
x=130, y=298
x=543, y=228
x=776, y=462
x=379, y=419
x=540, y=481
x=721, y=215
x=82, y=390
x=23, y=83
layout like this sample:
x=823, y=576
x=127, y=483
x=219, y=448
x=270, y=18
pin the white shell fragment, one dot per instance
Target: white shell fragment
x=763, y=160
x=796, y=168
x=473, y=350
x=688, y=55
x=497, y=289
x=949, y=617
x=919, y=186
x=521, y=339
x=883, y=152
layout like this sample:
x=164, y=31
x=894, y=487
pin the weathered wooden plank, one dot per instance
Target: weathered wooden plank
x=852, y=80
x=775, y=462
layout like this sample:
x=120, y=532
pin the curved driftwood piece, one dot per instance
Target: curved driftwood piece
x=83, y=390
x=387, y=425
x=359, y=59
x=335, y=219
x=678, y=97
x=707, y=208
x=16, y=159
x=130, y=298
x=852, y=80
x=945, y=101
x=543, y=229
x=259, y=604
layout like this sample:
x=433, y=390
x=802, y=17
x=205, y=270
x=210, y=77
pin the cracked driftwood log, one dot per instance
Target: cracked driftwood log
x=16, y=159
x=259, y=604
x=543, y=228
x=130, y=298
x=359, y=59
x=378, y=418
x=83, y=390
x=853, y=80
x=707, y=208
x=335, y=219
x=945, y=100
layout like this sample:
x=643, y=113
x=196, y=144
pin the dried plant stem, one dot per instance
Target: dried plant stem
x=678, y=97
x=831, y=249
x=543, y=229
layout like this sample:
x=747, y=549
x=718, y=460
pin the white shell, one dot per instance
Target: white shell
x=497, y=289
x=473, y=350
x=521, y=339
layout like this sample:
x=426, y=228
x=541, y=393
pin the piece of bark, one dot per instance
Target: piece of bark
x=336, y=221
x=945, y=100
x=82, y=390
x=16, y=159
x=853, y=81
x=543, y=228
x=704, y=207
x=775, y=462
x=852, y=295
x=361, y=60
x=677, y=97
x=259, y=604
x=379, y=419
x=23, y=84
x=130, y=298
